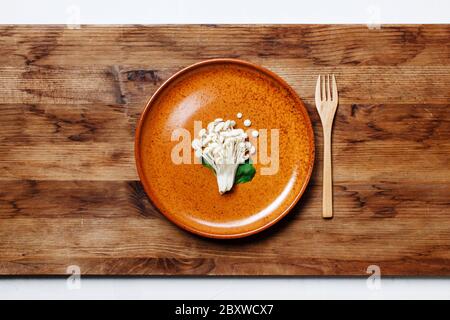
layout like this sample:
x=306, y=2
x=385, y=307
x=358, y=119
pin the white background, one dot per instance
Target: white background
x=225, y=11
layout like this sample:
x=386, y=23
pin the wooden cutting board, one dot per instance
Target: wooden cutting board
x=69, y=191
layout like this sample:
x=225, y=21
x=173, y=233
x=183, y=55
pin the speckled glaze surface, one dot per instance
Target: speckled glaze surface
x=187, y=194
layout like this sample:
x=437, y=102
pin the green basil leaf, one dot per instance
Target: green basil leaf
x=245, y=173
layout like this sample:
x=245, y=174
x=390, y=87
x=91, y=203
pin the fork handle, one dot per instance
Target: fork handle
x=327, y=200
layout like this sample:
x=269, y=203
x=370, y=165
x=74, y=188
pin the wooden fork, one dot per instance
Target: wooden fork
x=326, y=104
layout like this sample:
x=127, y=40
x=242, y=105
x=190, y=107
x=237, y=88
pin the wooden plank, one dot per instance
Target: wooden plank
x=402, y=143
x=135, y=84
x=66, y=142
x=121, y=199
x=222, y=266
x=175, y=46
x=96, y=221
x=69, y=192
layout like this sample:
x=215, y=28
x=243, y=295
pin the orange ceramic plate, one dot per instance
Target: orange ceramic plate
x=187, y=194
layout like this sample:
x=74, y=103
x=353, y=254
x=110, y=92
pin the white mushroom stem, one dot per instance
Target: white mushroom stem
x=225, y=177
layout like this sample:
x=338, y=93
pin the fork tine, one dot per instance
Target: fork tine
x=324, y=93
x=318, y=93
x=328, y=88
x=335, y=90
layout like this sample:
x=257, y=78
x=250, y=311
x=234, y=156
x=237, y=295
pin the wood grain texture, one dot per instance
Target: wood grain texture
x=70, y=195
